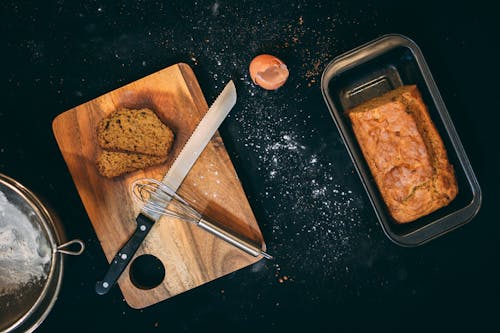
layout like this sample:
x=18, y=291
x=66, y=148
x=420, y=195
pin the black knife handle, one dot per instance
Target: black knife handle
x=124, y=255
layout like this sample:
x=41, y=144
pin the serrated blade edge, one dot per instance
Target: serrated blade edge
x=200, y=137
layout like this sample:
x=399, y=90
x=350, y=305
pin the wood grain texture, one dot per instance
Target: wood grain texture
x=191, y=256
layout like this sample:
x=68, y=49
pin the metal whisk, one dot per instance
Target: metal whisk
x=159, y=199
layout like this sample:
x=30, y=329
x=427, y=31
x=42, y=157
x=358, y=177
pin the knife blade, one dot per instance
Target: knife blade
x=193, y=148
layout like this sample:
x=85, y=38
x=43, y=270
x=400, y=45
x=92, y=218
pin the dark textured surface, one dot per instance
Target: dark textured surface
x=334, y=267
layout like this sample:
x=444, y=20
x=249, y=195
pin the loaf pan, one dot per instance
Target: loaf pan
x=370, y=71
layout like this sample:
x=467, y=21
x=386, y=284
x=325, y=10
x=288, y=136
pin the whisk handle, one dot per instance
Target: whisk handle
x=232, y=239
x=124, y=255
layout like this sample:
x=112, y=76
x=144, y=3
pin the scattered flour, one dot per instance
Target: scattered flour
x=309, y=207
x=24, y=255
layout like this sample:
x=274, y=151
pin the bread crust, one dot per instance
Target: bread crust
x=405, y=153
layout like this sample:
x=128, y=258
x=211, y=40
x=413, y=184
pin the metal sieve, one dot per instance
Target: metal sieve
x=23, y=308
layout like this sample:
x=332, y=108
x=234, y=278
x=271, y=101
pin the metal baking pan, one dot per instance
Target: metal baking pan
x=369, y=71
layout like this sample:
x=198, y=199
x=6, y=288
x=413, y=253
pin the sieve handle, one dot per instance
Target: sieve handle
x=64, y=248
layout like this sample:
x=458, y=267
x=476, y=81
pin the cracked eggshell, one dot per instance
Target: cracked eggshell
x=268, y=71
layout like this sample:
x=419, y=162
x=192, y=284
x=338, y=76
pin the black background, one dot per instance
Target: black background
x=334, y=267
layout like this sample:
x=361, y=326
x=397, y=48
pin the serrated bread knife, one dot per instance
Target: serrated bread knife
x=173, y=179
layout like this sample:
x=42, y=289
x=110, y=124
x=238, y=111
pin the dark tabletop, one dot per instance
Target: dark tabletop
x=334, y=266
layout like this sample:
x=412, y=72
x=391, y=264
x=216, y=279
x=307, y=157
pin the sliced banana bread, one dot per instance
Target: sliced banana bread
x=113, y=163
x=135, y=131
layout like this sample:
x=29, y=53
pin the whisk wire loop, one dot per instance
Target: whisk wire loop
x=158, y=198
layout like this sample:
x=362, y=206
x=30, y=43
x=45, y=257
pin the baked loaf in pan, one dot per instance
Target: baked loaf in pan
x=405, y=153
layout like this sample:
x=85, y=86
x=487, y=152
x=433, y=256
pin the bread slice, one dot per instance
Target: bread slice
x=405, y=153
x=113, y=163
x=135, y=131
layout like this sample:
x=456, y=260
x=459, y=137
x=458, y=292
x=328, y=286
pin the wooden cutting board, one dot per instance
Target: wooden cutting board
x=190, y=256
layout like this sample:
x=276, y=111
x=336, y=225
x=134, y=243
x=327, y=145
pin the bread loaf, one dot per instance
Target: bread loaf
x=405, y=153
